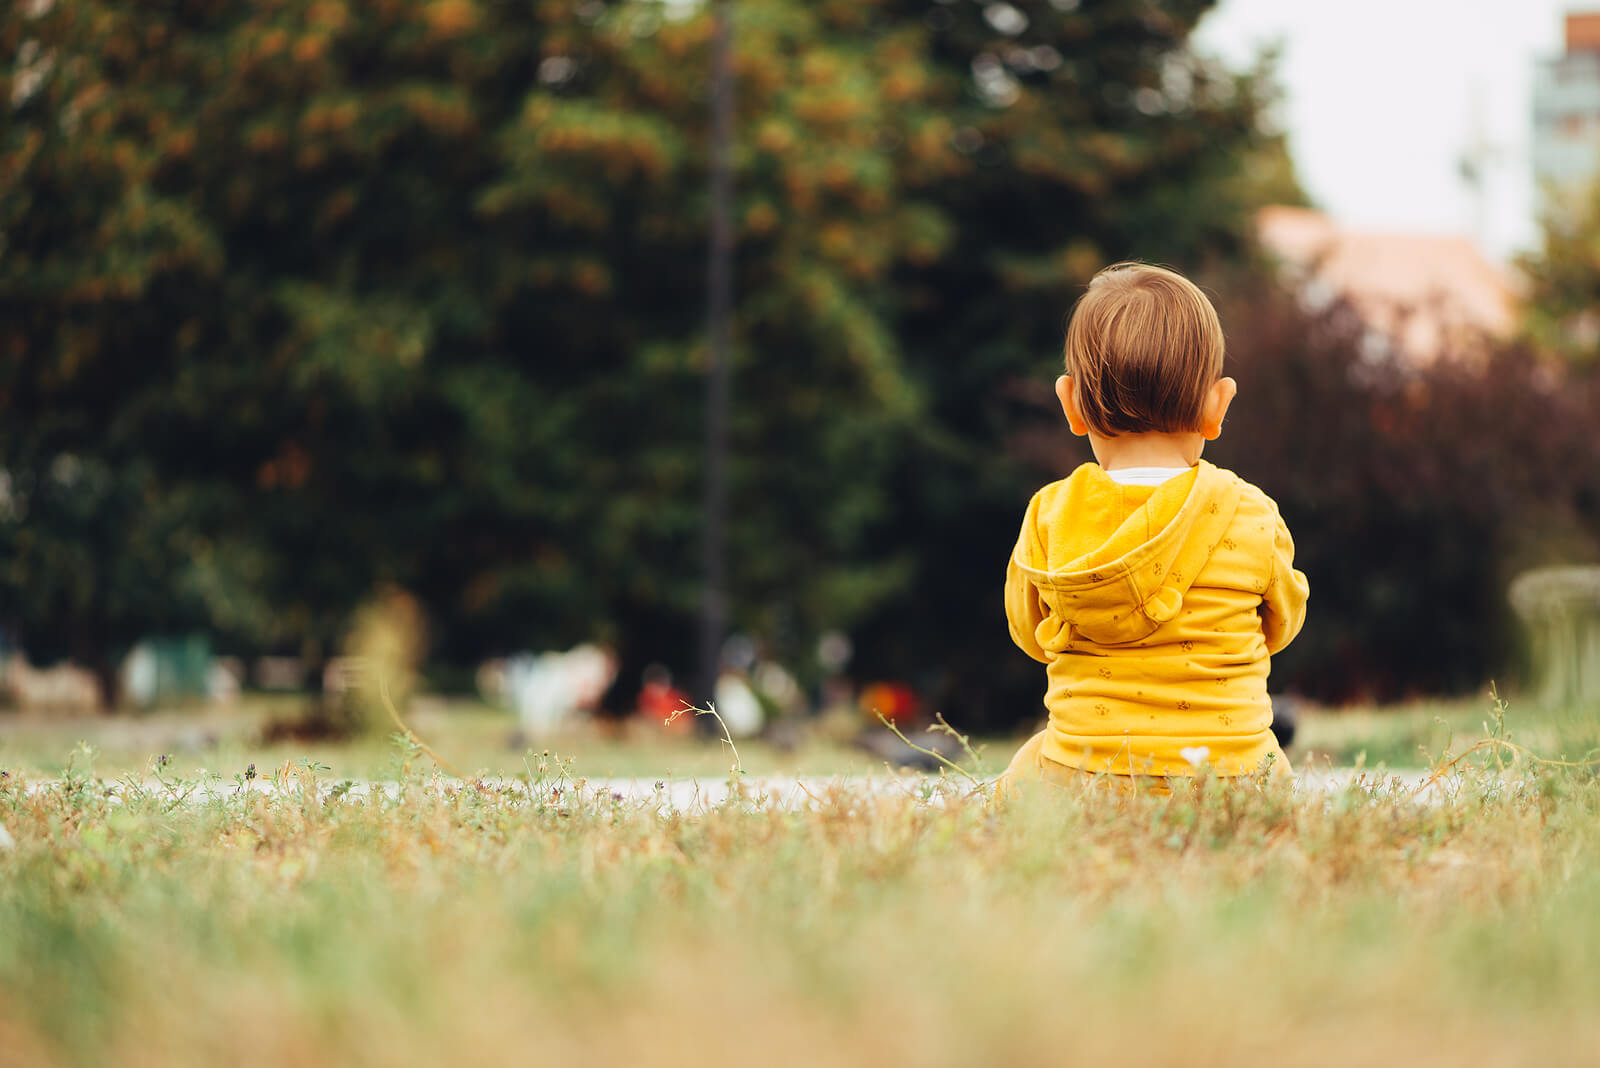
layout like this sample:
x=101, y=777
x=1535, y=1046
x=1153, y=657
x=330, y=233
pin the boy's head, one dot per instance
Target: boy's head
x=1144, y=355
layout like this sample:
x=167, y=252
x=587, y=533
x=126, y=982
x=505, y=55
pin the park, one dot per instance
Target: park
x=505, y=511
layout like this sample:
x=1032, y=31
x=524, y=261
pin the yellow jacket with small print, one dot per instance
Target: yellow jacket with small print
x=1156, y=610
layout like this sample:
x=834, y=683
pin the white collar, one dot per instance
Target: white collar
x=1145, y=476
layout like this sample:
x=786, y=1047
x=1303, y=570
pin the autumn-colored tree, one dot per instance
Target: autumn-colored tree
x=410, y=292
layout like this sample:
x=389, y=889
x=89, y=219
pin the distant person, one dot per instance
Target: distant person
x=660, y=702
x=1154, y=586
x=893, y=701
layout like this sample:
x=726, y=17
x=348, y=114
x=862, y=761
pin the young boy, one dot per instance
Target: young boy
x=1154, y=586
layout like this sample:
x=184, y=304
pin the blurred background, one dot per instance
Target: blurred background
x=336, y=335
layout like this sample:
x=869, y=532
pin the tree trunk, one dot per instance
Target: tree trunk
x=108, y=678
x=93, y=654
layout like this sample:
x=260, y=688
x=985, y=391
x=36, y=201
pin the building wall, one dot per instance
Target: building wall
x=1566, y=117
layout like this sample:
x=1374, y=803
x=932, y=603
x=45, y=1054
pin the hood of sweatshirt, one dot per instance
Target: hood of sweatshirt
x=1112, y=562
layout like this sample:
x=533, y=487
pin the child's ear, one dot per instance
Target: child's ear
x=1067, y=393
x=1218, y=398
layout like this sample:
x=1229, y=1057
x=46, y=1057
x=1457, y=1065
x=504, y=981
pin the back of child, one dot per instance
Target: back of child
x=1154, y=586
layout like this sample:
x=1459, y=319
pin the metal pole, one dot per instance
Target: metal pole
x=719, y=301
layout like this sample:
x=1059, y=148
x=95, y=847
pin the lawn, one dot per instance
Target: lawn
x=474, y=737
x=468, y=734
x=142, y=922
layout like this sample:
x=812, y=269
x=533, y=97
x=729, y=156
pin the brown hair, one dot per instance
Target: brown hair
x=1144, y=346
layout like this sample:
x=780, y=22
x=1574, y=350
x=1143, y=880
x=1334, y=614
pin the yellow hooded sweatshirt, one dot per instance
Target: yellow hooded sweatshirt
x=1156, y=610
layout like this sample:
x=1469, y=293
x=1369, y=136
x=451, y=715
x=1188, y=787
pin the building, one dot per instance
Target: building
x=1566, y=117
x=1421, y=295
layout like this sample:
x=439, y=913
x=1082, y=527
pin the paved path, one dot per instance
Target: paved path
x=791, y=792
x=785, y=792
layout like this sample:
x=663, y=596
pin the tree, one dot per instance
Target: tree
x=1089, y=134
x=335, y=297
x=1563, y=283
x=1415, y=492
x=364, y=307
x=89, y=249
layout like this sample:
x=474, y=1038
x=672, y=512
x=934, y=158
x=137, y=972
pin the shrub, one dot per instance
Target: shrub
x=1414, y=490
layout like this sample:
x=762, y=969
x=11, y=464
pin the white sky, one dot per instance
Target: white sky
x=1379, y=102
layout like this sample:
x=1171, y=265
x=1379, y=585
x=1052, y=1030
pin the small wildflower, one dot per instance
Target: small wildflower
x=163, y=760
x=249, y=773
x=616, y=796
x=660, y=785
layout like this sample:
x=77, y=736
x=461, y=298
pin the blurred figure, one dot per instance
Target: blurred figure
x=738, y=705
x=734, y=698
x=140, y=676
x=549, y=692
x=381, y=655
x=62, y=686
x=894, y=701
x=838, y=717
x=834, y=650
x=223, y=680
x=659, y=699
x=899, y=704
x=590, y=671
x=778, y=690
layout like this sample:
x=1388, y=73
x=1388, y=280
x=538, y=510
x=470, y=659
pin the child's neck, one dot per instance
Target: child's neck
x=1147, y=450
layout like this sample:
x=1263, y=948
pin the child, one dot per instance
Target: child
x=1153, y=586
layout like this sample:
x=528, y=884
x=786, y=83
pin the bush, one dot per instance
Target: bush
x=1415, y=491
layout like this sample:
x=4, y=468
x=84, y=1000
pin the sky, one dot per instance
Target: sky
x=1383, y=97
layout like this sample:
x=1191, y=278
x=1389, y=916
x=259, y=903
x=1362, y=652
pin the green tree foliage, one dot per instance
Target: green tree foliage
x=305, y=297
x=92, y=257
x=1090, y=133
x=1563, y=277
x=606, y=180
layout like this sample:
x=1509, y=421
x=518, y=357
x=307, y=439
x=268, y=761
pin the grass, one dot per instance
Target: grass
x=1417, y=734
x=475, y=737
x=1403, y=736
x=469, y=735
x=458, y=923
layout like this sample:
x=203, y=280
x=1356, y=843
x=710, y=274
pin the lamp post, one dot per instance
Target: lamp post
x=719, y=301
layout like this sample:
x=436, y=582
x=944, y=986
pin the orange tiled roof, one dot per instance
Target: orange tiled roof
x=1427, y=292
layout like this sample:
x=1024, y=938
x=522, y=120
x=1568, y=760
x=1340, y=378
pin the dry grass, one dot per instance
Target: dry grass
x=546, y=925
x=474, y=736
x=468, y=734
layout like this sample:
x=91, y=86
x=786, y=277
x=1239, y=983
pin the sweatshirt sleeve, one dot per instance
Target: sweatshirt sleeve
x=1283, y=605
x=1024, y=610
